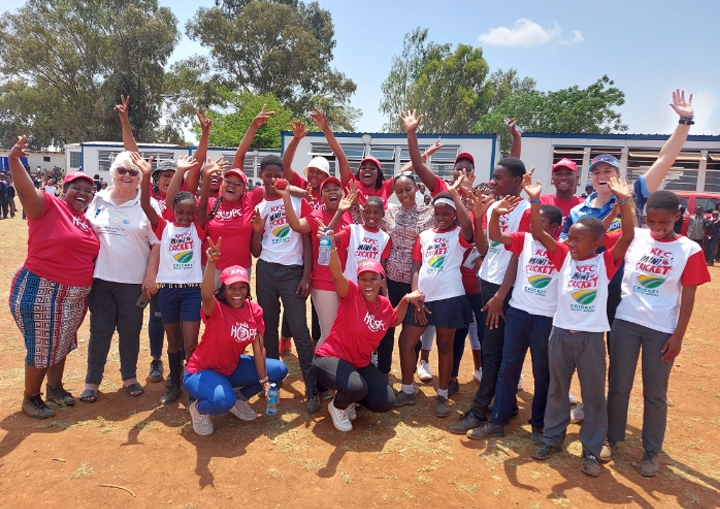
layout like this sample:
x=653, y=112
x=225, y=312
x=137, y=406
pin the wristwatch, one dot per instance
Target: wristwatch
x=263, y=380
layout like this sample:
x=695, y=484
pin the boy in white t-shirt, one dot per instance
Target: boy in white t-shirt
x=528, y=320
x=662, y=271
x=577, y=339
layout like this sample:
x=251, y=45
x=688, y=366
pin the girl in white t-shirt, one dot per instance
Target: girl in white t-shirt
x=437, y=258
x=179, y=275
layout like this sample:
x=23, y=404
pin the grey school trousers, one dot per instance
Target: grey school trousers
x=626, y=341
x=275, y=282
x=585, y=351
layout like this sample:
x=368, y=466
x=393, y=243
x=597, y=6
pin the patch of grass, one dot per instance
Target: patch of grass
x=293, y=441
x=559, y=499
x=84, y=470
x=308, y=464
x=535, y=476
x=435, y=465
x=466, y=487
x=533, y=505
x=149, y=425
x=12, y=378
x=497, y=492
x=274, y=472
x=423, y=480
x=347, y=477
x=692, y=498
x=56, y=424
x=425, y=440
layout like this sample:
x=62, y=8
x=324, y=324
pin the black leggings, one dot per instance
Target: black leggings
x=365, y=385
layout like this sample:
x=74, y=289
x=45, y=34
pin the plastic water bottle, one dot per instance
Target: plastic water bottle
x=272, y=400
x=324, y=250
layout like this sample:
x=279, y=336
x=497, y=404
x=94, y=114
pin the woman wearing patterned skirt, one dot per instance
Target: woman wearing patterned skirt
x=48, y=294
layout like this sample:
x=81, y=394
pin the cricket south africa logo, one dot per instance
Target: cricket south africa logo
x=583, y=286
x=435, y=254
x=654, y=268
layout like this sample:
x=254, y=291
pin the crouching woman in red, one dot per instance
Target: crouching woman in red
x=218, y=366
x=342, y=362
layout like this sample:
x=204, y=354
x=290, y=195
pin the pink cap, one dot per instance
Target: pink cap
x=238, y=172
x=234, y=274
x=565, y=163
x=465, y=155
x=329, y=180
x=70, y=177
x=372, y=159
x=370, y=265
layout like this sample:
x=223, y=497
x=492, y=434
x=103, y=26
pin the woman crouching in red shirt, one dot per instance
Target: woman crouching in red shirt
x=218, y=366
x=342, y=362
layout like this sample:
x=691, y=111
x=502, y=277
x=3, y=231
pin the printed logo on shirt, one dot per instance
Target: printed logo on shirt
x=373, y=325
x=494, y=246
x=584, y=281
x=435, y=254
x=227, y=215
x=653, y=267
x=277, y=223
x=368, y=248
x=242, y=332
x=539, y=270
x=181, y=248
x=80, y=224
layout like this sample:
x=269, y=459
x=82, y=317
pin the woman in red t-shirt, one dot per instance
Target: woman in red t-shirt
x=218, y=366
x=342, y=362
x=48, y=294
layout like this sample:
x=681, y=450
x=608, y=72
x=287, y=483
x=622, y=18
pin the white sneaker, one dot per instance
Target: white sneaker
x=520, y=383
x=573, y=399
x=243, y=411
x=577, y=414
x=201, y=423
x=351, y=412
x=477, y=375
x=423, y=371
x=339, y=417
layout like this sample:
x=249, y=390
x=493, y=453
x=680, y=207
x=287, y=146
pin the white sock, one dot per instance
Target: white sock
x=408, y=389
x=442, y=392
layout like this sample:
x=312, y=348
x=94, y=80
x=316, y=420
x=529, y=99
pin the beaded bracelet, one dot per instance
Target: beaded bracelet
x=534, y=201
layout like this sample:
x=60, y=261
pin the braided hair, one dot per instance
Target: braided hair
x=182, y=196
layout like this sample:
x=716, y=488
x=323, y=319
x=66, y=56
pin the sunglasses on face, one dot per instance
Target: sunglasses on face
x=123, y=171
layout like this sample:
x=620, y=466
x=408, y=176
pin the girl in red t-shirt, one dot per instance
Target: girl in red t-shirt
x=217, y=366
x=342, y=362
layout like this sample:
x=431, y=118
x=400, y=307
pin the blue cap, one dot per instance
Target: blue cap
x=604, y=158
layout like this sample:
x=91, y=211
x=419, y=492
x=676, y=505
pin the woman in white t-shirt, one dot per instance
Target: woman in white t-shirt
x=122, y=276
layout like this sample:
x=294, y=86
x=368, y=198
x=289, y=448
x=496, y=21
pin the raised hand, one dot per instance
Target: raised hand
x=680, y=105
x=321, y=229
x=533, y=191
x=482, y=204
x=410, y=121
x=257, y=221
x=145, y=166
x=320, y=119
x=433, y=148
x=457, y=186
x=184, y=163
x=619, y=188
x=19, y=149
x=122, y=108
x=262, y=117
x=511, y=124
x=219, y=164
x=213, y=251
x=347, y=201
x=507, y=205
x=205, y=122
x=298, y=129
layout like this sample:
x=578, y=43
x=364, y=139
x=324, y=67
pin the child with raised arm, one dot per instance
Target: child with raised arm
x=662, y=271
x=317, y=170
x=577, y=337
x=529, y=319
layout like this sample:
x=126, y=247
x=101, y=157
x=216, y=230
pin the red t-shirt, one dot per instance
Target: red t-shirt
x=385, y=191
x=298, y=181
x=565, y=206
x=321, y=279
x=232, y=222
x=62, y=245
x=228, y=332
x=358, y=328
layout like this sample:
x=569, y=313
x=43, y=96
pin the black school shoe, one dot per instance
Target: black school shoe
x=171, y=395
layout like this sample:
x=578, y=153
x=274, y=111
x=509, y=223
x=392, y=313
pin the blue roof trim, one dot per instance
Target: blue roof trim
x=399, y=135
x=140, y=145
x=697, y=137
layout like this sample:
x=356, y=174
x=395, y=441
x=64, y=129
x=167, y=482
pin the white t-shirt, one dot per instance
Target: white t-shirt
x=496, y=261
x=280, y=243
x=535, y=290
x=360, y=244
x=441, y=254
x=180, y=249
x=655, y=272
x=583, y=290
x=125, y=235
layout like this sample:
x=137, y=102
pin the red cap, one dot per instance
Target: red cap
x=234, y=274
x=465, y=155
x=370, y=265
x=329, y=180
x=77, y=175
x=238, y=172
x=372, y=159
x=565, y=163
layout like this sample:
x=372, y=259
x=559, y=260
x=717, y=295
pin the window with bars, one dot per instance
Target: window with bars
x=75, y=159
x=575, y=154
x=682, y=176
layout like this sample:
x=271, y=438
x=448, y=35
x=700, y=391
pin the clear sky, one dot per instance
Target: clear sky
x=648, y=47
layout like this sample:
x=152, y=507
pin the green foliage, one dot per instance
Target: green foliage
x=75, y=57
x=282, y=48
x=228, y=128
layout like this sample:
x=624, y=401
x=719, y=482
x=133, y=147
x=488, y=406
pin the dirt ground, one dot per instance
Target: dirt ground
x=130, y=452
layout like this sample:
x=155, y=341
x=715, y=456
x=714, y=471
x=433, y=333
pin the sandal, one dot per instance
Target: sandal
x=134, y=390
x=89, y=396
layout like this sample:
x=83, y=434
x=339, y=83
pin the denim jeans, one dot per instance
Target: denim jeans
x=156, y=329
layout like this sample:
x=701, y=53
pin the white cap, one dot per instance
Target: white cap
x=320, y=163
